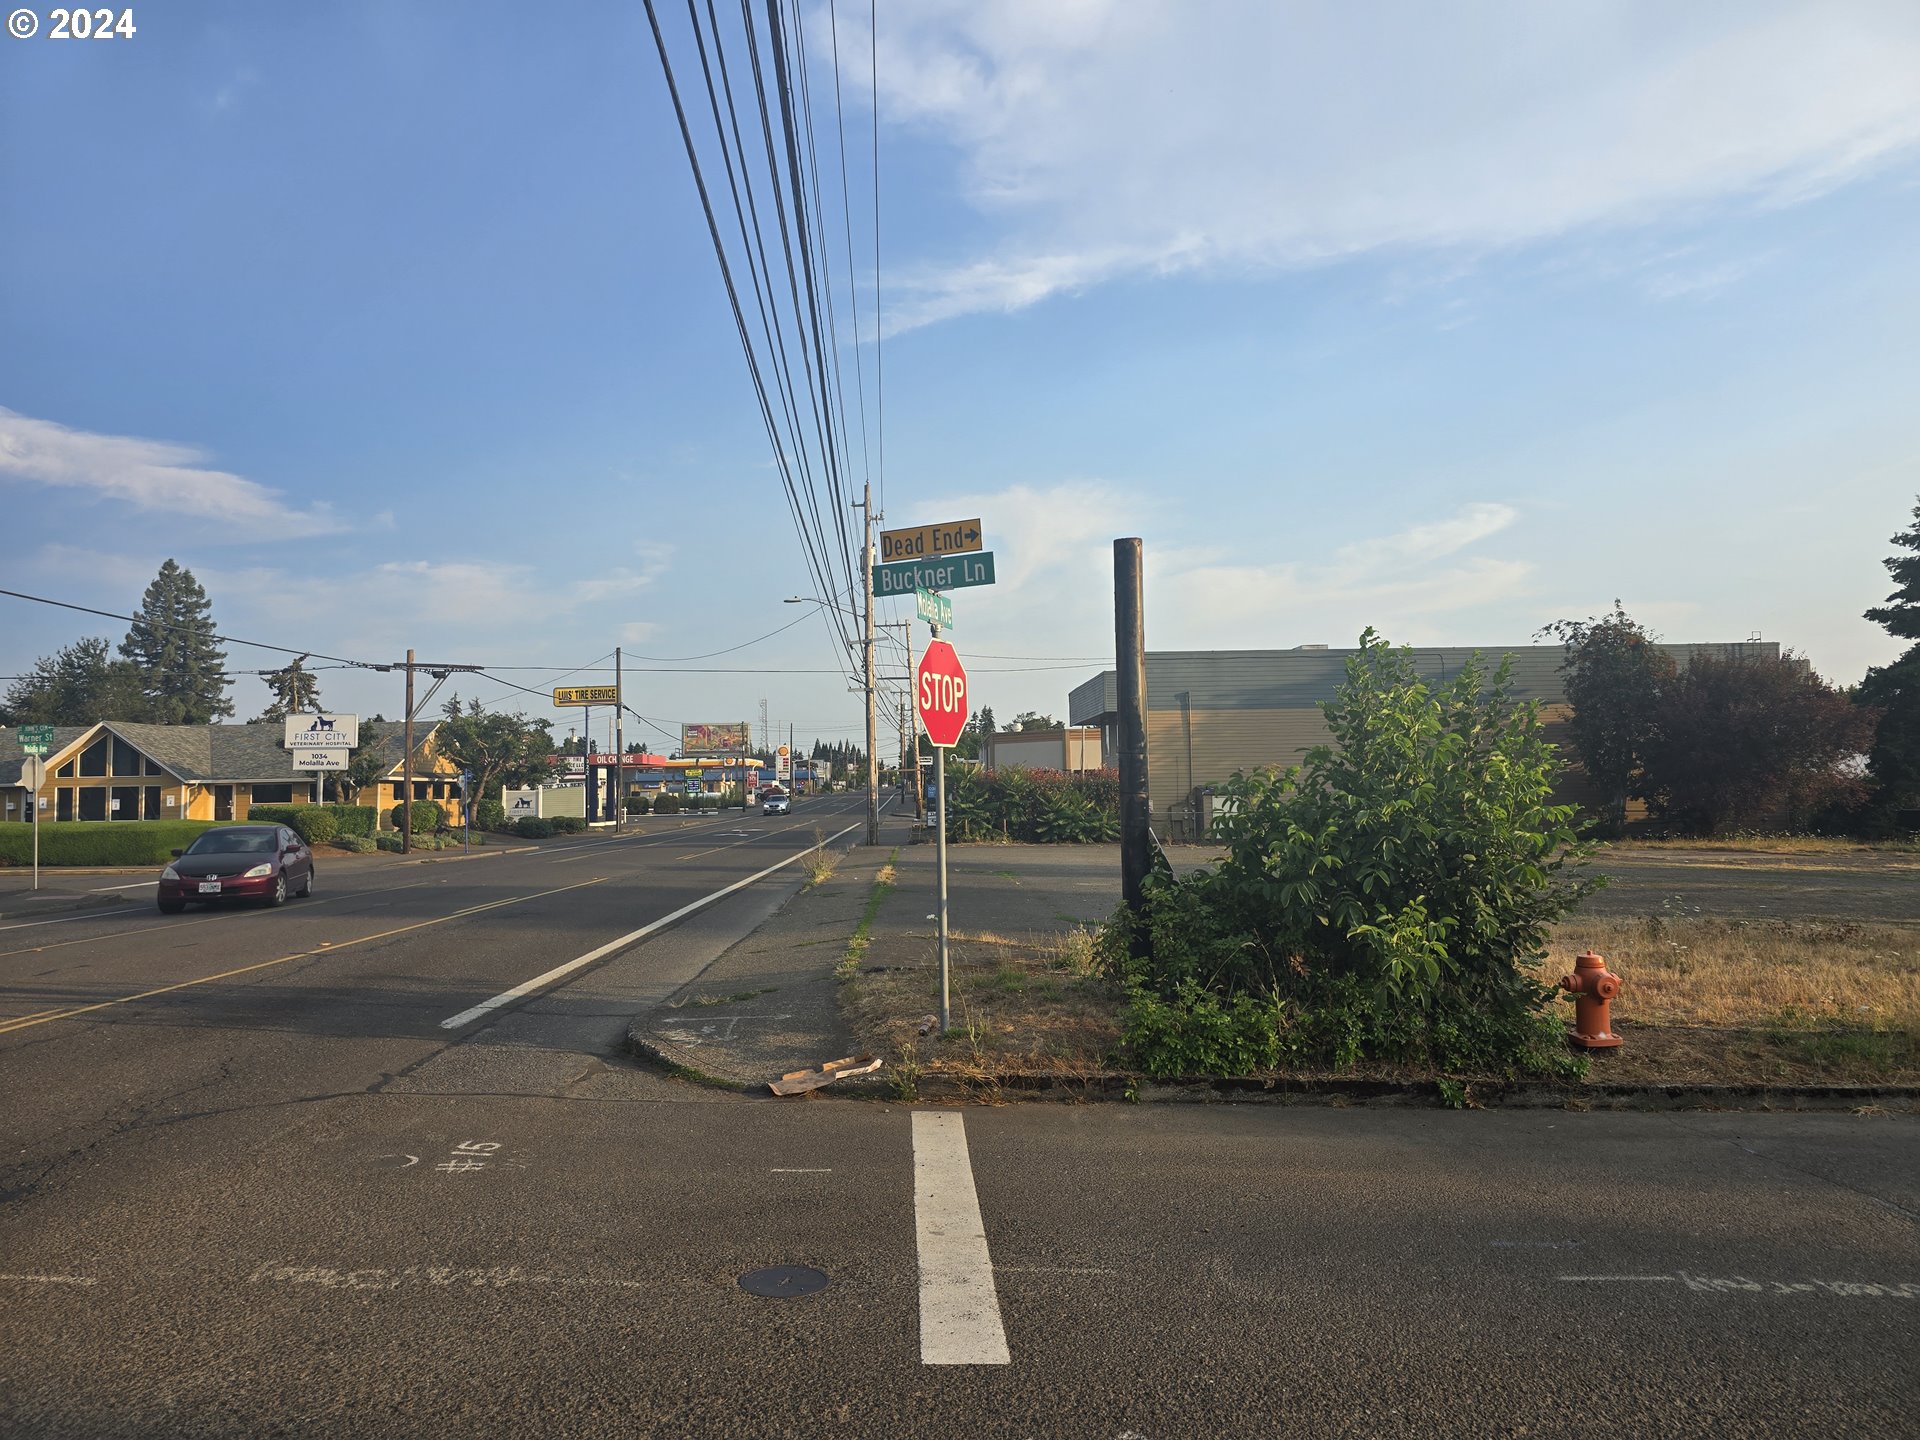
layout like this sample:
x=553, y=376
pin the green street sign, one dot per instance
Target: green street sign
x=36, y=739
x=934, y=609
x=955, y=572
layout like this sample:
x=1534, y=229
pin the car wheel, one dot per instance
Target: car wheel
x=172, y=907
x=306, y=885
x=279, y=896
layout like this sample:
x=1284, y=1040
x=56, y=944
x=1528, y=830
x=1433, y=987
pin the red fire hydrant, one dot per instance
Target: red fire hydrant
x=1593, y=987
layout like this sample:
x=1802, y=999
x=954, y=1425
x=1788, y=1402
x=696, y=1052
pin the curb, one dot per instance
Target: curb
x=1122, y=1087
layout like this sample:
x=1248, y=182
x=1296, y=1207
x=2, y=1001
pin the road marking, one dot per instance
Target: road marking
x=51, y=1279
x=1742, y=1284
x=1617, y=1277
x=382, y=1277
x=539, y=982
x=332, y=948
x=779, y=1171
x=103, y=913
x=959, y=1309
x=109, y=889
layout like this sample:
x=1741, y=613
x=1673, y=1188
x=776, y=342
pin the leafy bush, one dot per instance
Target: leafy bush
x=1044, y=807
x=567, y=824
x=387, y=840
x=347, y=819
x=427, y=817
x=98, y=842
x=355, y=844
x=489, y=815
x=666, y=804
x=1378, y=903
x=532, y=827
x=638, y=805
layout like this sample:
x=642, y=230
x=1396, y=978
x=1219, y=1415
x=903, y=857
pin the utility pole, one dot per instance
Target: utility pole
x=873, y=738
x=406, y=770
x=619, y=747
x=1130, y=666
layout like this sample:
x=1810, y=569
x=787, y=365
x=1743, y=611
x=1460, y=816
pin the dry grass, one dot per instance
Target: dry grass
x=1769, y=845
x=1019, y=1003
x=1734, y=973
x=820, y=862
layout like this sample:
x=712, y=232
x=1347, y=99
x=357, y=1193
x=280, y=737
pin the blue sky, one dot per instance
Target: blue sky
x=399, y=325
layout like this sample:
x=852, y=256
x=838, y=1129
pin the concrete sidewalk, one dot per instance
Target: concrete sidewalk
x=771, y=1004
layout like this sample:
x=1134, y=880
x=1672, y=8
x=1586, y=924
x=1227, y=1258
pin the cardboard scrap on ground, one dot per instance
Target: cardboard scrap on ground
x=798, y=1082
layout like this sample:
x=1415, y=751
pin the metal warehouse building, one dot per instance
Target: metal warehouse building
x=1213, y=712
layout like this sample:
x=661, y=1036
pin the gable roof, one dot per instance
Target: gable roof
x=198, y=754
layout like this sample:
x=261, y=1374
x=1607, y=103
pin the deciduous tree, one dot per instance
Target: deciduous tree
x=500, y=749
x=1615, y=675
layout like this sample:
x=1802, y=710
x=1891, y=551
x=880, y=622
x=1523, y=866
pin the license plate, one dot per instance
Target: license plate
x=209, y=887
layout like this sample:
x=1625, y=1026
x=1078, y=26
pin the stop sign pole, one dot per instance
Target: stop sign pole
x=940, y=695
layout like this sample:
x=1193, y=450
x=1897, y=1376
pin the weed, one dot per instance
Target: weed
x=820, y=862
x=1453, y=1094
x=903, y=1083
x=862, y=937
x=732, y=999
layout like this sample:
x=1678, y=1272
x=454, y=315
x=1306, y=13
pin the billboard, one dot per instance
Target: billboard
x=713, y=739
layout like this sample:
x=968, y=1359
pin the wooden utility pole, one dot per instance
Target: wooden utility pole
x=406, y=770
x=619, y=747
x=873, y=738
x=1130, y=666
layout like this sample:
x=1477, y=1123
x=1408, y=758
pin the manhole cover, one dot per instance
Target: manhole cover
x=783, y=1281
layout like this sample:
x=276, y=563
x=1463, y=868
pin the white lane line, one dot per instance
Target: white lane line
x=52, y=1279
x=105, y=913
x=1578, y=1278
x=959, y=1308
x=525, y=988
x=778, y=1171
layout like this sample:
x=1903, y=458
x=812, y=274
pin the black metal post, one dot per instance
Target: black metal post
x=1130, y=666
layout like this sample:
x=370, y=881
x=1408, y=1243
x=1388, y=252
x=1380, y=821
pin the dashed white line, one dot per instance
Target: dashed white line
x=959, y=1307
x=51, y=1279
x=538, y=982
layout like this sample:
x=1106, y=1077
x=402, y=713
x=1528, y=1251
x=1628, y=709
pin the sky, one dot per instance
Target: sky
x=399, y=324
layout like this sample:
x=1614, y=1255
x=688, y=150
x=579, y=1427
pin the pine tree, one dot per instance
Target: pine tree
x=174, y=645
x=1894, y=762
x=295, y=691
x=81, y=684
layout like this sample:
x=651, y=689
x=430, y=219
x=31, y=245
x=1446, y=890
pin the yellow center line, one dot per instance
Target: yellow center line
x=332, y=948
x=305, y=905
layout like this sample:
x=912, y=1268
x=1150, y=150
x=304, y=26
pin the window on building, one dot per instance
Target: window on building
x=93, y=759
x=150, y=803
x=153, y=768
x=420, y=790
x=65, y=772
x=63, y=804
x=126, y=759
x=273, y=794
x=93, y=802
x=125, y=804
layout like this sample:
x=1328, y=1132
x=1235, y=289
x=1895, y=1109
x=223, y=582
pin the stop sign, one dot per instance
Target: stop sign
x=940, y=691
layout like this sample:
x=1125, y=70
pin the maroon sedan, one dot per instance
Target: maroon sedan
x=238, y=862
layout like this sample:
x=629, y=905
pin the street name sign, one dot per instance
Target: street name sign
x=930, y=542
x=903, y=577
x=35, y=739
x=940, y=694
x=319, y=757
x=586, y=694
x=933, y=608
x=317, y=731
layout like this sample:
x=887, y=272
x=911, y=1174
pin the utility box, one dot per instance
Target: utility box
x=545, y=802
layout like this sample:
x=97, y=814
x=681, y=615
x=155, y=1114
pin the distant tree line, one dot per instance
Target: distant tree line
x=1742, y=741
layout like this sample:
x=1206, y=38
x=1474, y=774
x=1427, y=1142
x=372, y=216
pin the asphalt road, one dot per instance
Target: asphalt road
x=285, y=1198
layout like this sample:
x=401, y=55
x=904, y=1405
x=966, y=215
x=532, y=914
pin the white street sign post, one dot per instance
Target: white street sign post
x=940, y=693
x=33, y=774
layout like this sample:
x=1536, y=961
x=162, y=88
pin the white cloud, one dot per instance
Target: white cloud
x=1118, y=137
x=155, y=475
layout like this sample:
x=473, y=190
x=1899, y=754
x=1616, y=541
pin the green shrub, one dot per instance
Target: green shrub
x=346, y=819
x=567, y=824
x=427, y=817
x=316, y=827
x=1043, y=807
x=638, y=805
x=666, y=804
x=532, y=827
x=98, y=842
x=355, y=844
x=388, y=841
x=1379, y=903
x=489, y=815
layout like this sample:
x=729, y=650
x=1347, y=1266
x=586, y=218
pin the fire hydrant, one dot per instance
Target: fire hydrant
x=1593, y=987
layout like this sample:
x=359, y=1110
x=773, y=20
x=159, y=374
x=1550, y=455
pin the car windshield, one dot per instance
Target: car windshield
x=233, y=842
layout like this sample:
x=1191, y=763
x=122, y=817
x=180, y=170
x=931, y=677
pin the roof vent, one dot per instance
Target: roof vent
x=1309, y=647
